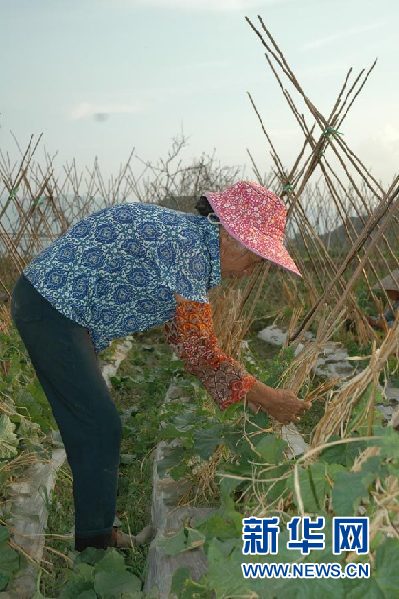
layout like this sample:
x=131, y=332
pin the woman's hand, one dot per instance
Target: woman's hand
x=282, y=404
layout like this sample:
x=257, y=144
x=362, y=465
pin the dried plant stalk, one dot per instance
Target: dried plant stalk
x=339, y=409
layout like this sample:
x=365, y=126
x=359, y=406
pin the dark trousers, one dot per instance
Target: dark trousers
x=67, y=367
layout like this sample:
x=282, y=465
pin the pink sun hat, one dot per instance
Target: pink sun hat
x=256, y=217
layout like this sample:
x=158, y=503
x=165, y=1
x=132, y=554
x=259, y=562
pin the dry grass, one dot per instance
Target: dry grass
x=339, y=409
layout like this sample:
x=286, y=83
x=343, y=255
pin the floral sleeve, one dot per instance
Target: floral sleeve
x=192, y=337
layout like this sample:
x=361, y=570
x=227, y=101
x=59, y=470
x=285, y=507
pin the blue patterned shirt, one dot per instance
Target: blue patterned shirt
x=115, y=272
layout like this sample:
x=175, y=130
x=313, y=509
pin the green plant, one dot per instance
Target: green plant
x=348, y=477
x=101, y=573
x=9, y=559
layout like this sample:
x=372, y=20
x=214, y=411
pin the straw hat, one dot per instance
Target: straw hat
x=390, y=282
x=256, y=217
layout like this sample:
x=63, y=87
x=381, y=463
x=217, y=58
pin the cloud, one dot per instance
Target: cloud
x=101, y=112
x=380, y=151
x=324, y=41
x=390, y=134
x=146, y=98
x=205, y=5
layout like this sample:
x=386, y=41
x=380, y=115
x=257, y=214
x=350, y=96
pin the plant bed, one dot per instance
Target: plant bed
x=236, y=464
x=28, y=461
x=138, y=388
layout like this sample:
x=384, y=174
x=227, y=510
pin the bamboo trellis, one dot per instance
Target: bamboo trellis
x=361, y=197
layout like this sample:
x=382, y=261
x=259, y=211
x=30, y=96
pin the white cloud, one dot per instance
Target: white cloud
x=101, y=112
x=146, y=98
x=390, y=134
x=380, y=151
x=341, y=34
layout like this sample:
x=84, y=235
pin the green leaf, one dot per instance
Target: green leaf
x=241, y=448
x=174, y=457
x=224, y=571
x=187, y=538
x=372, y=468
x=271, y=449
x=109, y=584
x=389, y=443
x=112, y=560
x=313, y=589
x=386, y=571
x=8, y=440
x=186, y=588
x=186, y=421
x=313, y=487
x=384, y=583
x=75, y=588
x=227, y=485
x=4, y=534
x=179, y=577
x=225, y=575
x=231, y=436
x=230, y=412
x=9, y=560
x=276, y=489
x=207, y=439
x=217, y=526
x=28, y=431
x=334, y=469
x=363, y=589
x=90, y=594
x=81, y=580
x=89, y=555
x=343, y=454
x=348, y=490
x=4, y=580
x=128, y=458
x=260, y=419
x=180, y=471
x=169, y=432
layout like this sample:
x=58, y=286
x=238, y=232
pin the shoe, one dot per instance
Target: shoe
x=121, y=540
x=145, y=535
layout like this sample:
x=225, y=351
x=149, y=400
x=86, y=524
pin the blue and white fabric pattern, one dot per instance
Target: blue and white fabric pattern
x=115, y=272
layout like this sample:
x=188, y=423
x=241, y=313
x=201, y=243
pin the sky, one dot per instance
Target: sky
x=101, y=77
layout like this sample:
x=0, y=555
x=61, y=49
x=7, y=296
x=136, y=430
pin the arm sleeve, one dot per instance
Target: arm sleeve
x=192, y=337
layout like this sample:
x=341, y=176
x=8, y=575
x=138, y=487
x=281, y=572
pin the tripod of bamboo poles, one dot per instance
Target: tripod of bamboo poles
x=333, y=292
x=333, y=137
x=294, y=183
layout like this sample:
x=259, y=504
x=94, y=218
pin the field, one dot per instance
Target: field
x=340, y=461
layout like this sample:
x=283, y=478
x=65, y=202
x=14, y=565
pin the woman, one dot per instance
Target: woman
x=128, y=268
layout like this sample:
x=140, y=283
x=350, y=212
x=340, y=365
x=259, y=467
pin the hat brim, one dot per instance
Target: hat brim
x=265, y=246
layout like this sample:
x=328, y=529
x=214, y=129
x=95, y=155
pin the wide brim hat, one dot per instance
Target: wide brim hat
x=256, y=217
x=390, y=282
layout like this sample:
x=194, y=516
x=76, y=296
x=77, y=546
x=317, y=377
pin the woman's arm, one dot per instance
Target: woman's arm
x=192, y=337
